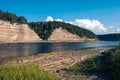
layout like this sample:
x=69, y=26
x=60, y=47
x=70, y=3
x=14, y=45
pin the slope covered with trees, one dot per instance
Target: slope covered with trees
x=109, y=37
x=45, y=29
x=13, y=18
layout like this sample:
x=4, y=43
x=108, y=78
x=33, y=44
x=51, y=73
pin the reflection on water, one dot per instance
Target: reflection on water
x=13, y=50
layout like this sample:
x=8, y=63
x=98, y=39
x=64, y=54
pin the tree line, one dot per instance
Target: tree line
x=109, y=37
x=13, y=18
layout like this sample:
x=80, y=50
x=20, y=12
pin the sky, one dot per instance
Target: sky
x=99, y=16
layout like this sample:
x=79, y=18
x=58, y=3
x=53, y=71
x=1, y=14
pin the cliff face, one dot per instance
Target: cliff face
x=16, y=33
x=60, y=34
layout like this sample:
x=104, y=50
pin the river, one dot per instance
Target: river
x=13, y=50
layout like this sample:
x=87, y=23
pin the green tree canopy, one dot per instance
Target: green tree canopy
x=13, y=18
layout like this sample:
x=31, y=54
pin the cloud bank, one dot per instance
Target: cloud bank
x=93, y=25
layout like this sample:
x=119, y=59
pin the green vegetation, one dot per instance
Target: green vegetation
x=73, y=68
x=109, y=37
x=13, y=18
x=108, y=65
x=89, y=66
x=112, y=59
x=24, y=72
x=45, y=29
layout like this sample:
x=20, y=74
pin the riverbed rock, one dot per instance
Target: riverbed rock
x=16, y=33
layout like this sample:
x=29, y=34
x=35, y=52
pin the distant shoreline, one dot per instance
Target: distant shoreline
x=45, y=41
x=48, y=41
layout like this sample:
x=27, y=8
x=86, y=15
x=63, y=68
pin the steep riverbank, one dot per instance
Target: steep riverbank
x=12, y=33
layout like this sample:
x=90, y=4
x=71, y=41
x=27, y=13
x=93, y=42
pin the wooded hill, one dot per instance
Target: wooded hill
x=109, y=37
x=45, y=29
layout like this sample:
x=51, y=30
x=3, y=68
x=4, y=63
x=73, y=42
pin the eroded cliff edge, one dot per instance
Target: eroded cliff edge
x=16, y=33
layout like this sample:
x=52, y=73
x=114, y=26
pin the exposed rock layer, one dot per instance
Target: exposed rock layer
x=16, y=33
x=60, y=34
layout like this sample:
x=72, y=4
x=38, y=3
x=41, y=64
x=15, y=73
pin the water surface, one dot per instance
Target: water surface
x=13, y=50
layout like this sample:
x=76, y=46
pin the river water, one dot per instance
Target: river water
x=13, y=50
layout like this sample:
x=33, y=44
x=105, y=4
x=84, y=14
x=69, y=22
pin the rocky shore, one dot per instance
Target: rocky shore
x=57, y=62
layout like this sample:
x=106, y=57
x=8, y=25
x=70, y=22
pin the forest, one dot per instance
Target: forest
x=109, y=37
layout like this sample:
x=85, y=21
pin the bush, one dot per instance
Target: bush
x=107, y=65
x=112, y=58
x=91, y=65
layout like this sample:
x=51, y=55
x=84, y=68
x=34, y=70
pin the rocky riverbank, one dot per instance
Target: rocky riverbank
x=56, y=62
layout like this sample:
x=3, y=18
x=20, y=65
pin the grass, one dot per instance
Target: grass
x=73, y=68
x=24, y=72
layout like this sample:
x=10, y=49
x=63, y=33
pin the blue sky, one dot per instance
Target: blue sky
x=107, y=12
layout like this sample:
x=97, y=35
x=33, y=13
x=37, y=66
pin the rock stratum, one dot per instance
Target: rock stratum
x=16, y=33
x=60, y=34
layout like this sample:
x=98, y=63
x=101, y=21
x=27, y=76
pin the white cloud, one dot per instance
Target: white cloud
x=49, y=18
x=58, y=20
x=93, y=25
